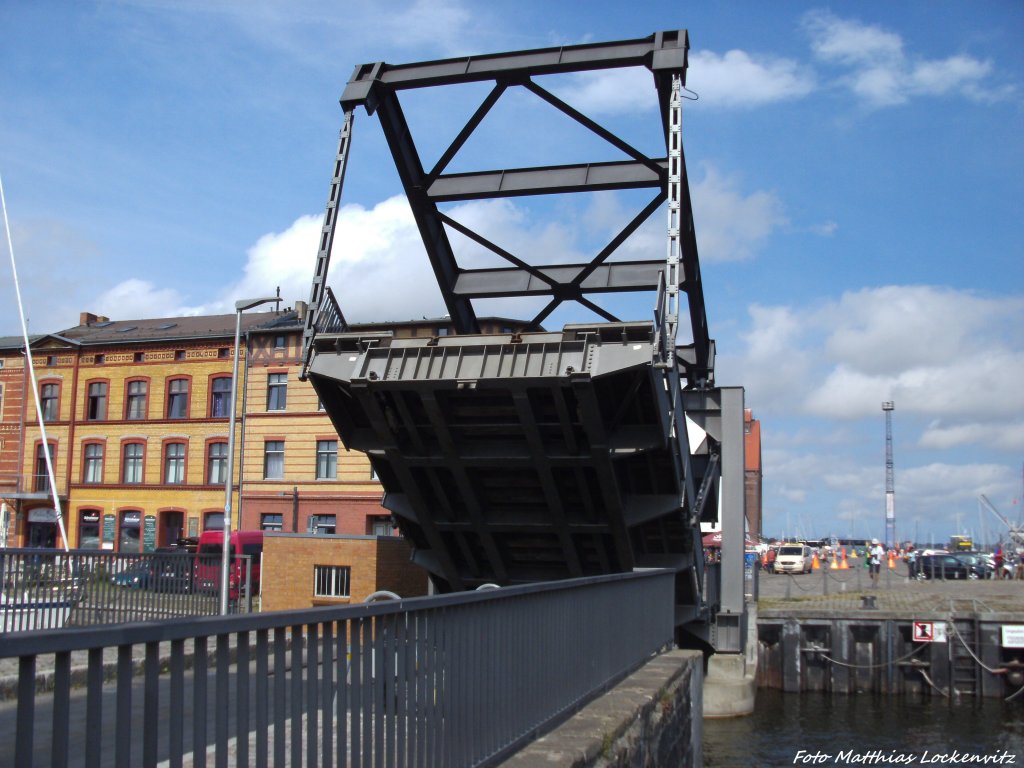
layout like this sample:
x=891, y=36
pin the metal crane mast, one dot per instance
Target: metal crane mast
x=890, y=487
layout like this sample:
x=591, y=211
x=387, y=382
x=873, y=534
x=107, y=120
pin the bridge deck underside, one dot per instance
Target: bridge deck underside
x=510, y=462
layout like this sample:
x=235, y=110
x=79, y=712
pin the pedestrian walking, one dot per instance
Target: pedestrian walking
x=877, y=553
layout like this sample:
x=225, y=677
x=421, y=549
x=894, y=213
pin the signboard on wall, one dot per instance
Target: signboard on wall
x=109, y=530
x=149, y=533
x=1013, y=635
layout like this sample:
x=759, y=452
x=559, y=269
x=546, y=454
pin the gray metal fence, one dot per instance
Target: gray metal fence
x=455, y=680
x=51, y=589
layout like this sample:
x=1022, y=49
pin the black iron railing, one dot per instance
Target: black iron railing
x=51, y=589
x=455, y=680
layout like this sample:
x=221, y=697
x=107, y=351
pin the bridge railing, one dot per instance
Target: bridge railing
x=456, y=680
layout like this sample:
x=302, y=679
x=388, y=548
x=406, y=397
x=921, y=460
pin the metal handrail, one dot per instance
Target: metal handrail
x=457, y=680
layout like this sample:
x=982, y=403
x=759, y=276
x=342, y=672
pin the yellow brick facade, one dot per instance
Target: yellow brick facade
x=107, y=504
x=374, y=562
x=134, y=473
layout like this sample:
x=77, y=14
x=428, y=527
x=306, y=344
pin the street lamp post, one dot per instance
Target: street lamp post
x=240, y=306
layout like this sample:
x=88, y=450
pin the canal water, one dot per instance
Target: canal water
x=867, y=730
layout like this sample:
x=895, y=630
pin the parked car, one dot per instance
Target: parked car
x=794, y=558
x=168, y=571
x=949, y=566
x=985, y=564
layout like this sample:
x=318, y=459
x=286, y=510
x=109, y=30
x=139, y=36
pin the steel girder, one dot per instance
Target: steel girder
x=377, y=87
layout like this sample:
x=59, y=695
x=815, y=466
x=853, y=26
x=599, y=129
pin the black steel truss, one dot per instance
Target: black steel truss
x=377, y=87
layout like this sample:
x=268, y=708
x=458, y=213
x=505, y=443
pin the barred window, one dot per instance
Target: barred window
x=331, y=580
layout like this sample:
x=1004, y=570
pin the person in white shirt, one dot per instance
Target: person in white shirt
x=877, y=553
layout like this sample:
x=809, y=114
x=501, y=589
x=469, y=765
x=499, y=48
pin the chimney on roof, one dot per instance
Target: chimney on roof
x=88, y=318
x=301, y=308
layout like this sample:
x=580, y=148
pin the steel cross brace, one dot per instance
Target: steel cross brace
x=377, y=87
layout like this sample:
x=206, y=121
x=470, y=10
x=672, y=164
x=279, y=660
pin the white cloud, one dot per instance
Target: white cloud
x=952, y=357
x=739, y=79
x=1004, y=435
x=610, y=91
x=935, y=351
x=134, y=298
x=731, y=225
x=882, y=73
x=376, y=252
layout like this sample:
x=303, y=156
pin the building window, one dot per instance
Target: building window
x=177, y=399
x=99, y=359
x=223, y=353
x=133, y=460
x=380, y=526
x=322, y=525
x=174, y=463
x=217, y=464
x=42, y=484
x=326, y=459
x=277, y=391
x=273, y=460
x=179, y=354
x=136, y=400
x=331, y=580
x=49, y=401
x=93, y=463
x=442, y=331
x=139, y=357
x=280, y=342
x=220, y=397
x=96, y=407
x=213, y=521
x=131, y=527
x=51, y=360
x=271, y=522
x=89, y=529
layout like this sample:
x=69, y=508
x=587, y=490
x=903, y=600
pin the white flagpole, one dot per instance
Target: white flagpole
x=32, y=375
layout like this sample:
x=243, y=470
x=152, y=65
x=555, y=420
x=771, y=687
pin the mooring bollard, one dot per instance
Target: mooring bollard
x=789, y=586
x=867, y=602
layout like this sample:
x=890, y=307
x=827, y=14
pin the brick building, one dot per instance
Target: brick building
x=752, y=472
x=136, y=419
x=305, y=570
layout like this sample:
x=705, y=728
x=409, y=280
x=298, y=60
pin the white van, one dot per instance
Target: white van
x=794, y=558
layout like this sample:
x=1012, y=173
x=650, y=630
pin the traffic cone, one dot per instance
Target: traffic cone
x=853, y=553
x=892, y=560
x=844, y=566
x=815, y=564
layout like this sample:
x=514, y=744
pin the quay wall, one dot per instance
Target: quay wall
x=651, y=719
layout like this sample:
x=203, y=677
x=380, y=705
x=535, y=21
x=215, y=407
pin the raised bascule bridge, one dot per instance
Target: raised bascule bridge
x=541, y=455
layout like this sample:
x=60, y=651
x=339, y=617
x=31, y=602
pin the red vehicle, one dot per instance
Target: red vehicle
x=208, y=561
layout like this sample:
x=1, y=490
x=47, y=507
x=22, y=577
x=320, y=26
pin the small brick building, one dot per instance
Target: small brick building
x=305, y=570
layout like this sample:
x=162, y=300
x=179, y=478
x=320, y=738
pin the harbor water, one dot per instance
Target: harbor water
x=822, y=729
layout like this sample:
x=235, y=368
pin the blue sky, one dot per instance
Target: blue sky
x=857, y=174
